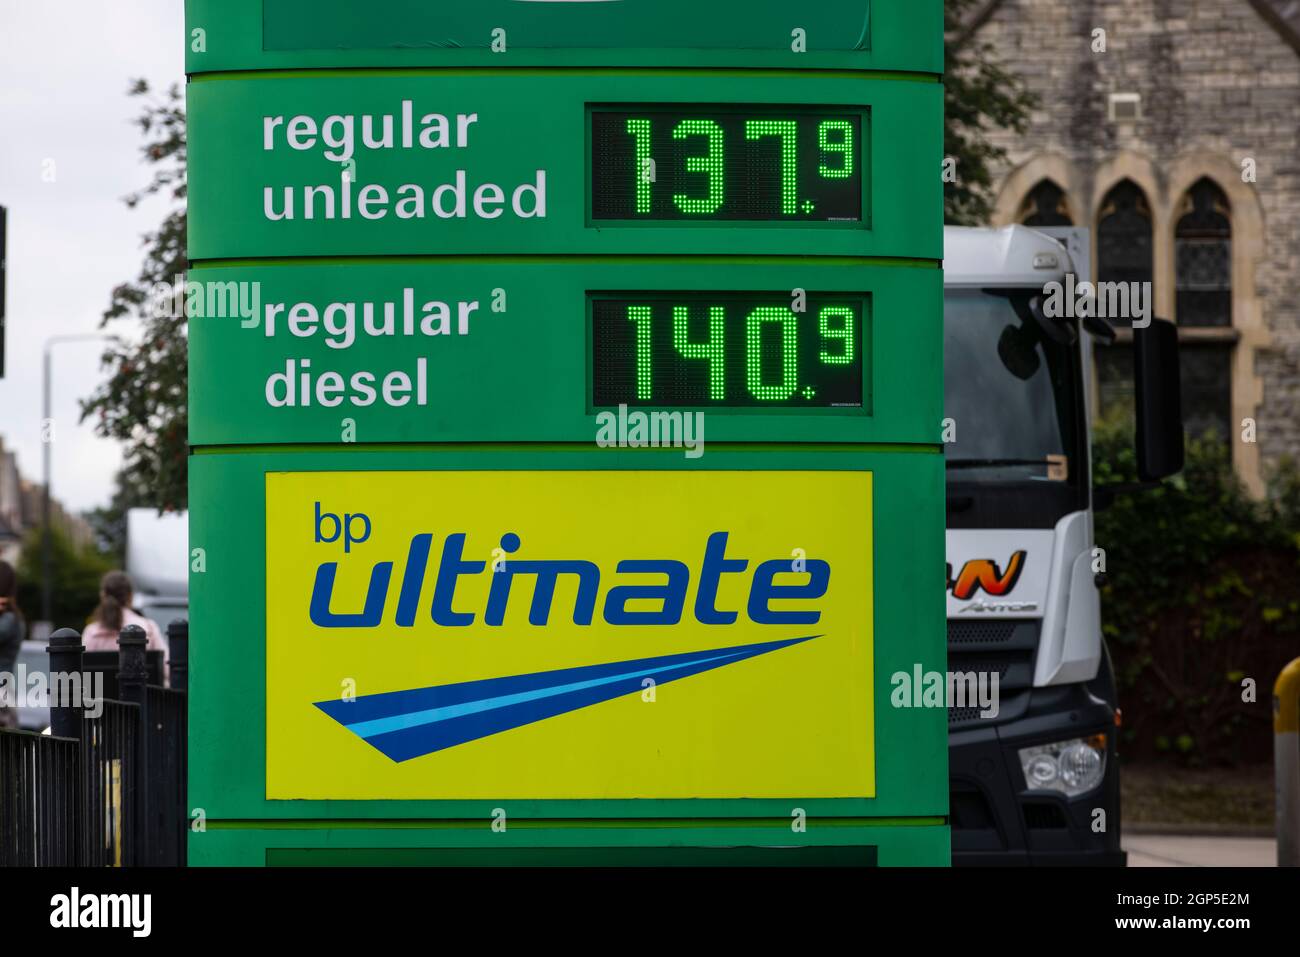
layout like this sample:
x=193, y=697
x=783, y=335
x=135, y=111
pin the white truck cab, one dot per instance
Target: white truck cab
x=1036, y=782
x=157, y=559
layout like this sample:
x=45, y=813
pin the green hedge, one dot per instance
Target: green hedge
x=74, y=591
x=1203, y=592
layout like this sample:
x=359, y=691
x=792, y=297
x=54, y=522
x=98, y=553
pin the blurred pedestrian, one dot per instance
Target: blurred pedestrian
x=13, y=629
x=116, y=592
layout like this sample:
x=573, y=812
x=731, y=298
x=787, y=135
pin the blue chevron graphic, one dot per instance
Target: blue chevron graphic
x=409, y=724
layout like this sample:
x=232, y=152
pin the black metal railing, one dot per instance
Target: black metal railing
x=106, y=786
x=165, y=747
x=39, y=797
x=110, y=754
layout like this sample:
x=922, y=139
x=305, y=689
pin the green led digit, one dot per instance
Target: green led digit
x=713, y=350
x=844, y=334
x=843, y=145
x=710, y=164
x=640, y=131
x=641, y=316
x=788, y=131
x=754, y=353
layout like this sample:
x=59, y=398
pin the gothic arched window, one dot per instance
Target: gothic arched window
x=1124, y=254
x=1124, y=235
x=1045, y=206
x=1203, y=257
x=1203, y=290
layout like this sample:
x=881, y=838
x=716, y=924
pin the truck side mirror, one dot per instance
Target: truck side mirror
x=1159, y=402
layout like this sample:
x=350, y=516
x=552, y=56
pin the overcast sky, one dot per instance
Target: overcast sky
x=65, y=66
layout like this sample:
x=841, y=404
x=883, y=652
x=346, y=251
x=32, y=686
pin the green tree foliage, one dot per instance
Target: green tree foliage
x=979, y=96
x=75, y=575
x=144, y=403
x=1201, y=596
x=109, y=523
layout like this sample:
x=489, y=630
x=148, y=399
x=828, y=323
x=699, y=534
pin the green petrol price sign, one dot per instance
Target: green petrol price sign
x=459, y=163
x=561, y=339
x=450, y=269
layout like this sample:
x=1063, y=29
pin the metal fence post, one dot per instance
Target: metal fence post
x=1286, y=762
x=176, y=748
x=132, y=673
x=178, y=645
x=132, y=676
x=67, y=720
x=65, y=649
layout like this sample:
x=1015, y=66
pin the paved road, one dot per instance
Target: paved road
x=1177, y=850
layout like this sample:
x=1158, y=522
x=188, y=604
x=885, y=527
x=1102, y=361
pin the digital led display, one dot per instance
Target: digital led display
x=727, y=350
x=769, y=165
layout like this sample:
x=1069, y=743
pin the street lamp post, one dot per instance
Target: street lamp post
x=47, y=556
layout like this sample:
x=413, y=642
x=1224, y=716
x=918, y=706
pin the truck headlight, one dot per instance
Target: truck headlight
x=1068, y=767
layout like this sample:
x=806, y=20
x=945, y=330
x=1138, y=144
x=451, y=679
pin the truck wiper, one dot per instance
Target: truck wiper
x=992, y=463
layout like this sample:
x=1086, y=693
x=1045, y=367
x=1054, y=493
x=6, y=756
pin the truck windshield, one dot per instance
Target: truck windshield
x=1011, y=392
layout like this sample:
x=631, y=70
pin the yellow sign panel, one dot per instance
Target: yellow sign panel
x=569, y=635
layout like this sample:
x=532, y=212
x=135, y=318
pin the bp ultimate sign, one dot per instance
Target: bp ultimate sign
x=564, y=389
x=569, y=662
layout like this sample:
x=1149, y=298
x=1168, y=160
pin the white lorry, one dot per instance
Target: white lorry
x=1037, y=783
x=157, y=559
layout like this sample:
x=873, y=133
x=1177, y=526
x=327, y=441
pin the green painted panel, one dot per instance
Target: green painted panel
x=620, y=856
x=228, y=698
x=658, y=25
x=284, y=34
x=522, y=374
x=519, y=184
x=826, y=843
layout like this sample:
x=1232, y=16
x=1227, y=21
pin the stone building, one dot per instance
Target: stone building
x=20, y=511
x=1175, y=137
x=11, y=510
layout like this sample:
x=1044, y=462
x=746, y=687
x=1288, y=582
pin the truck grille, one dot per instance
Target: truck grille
x=1005, y=647
x=965, y=632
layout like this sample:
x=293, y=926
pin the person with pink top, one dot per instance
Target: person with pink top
x=115, y=613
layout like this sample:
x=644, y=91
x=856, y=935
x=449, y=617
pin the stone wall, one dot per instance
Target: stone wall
x=1218, y=85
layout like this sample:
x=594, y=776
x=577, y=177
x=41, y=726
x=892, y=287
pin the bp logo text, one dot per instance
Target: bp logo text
x=422, y=587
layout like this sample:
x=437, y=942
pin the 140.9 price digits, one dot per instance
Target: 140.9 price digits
x=770, y=348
